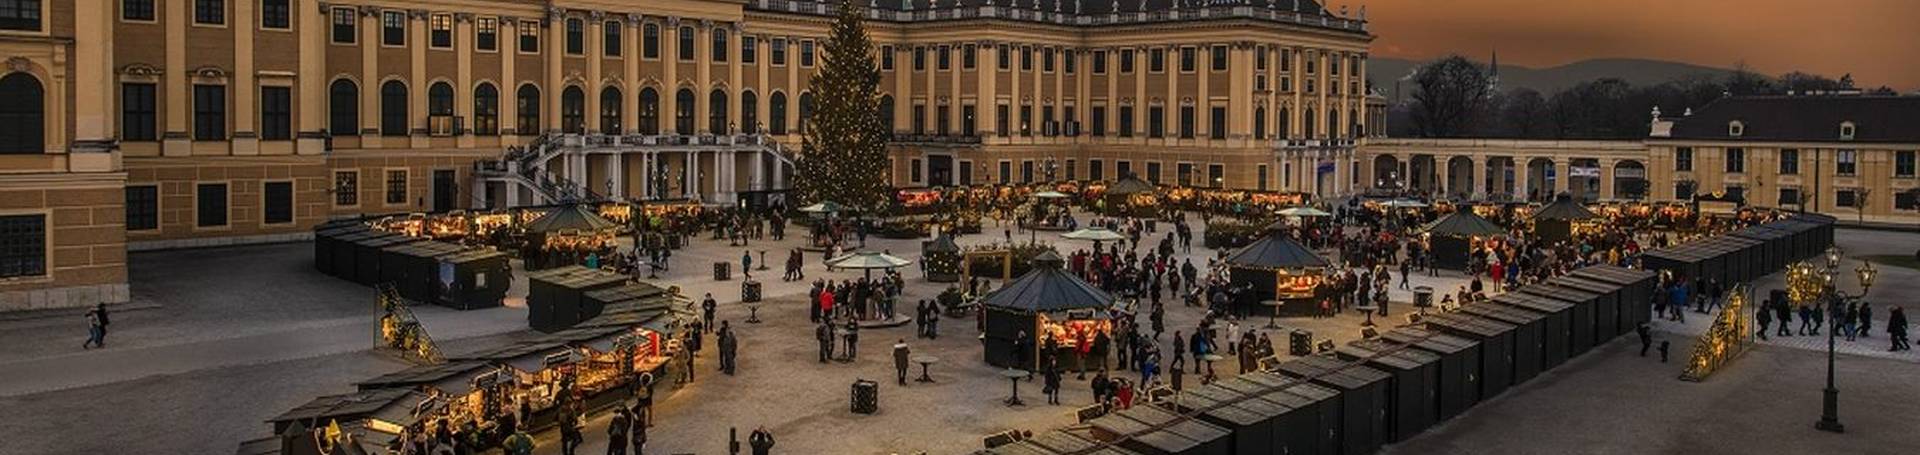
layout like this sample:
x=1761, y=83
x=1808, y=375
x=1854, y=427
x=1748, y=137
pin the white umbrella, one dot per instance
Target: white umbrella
x=1094, y=234
x=867, y=260
x=1304, y=211
x=1051, y=195
x=824, y=207
x=1406, y=203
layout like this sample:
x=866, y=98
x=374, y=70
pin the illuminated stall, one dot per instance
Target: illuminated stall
x=1560, y=220
x=565, y=235
x=1131, y=197
x=1047, y=301
x=1278, y=269
x=1454, y=237
x=942, y=258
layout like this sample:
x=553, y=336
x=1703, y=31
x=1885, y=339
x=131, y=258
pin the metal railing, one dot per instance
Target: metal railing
x=1252, y=10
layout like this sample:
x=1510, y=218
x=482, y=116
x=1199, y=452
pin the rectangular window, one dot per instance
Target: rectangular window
x=967, y=120
x=1098, y=117
x=944, y=59
x=277, y=202
x=1026, y=58
x=1187, y=56
x=210, y=12
x=1683, y=190
x=944, y=123
x=210, y=112
x=913, y=170
x=1096, y=170
x=1123, y=169
x=211, y=206
x=576, y=37
x=1026, y=171
x=1126, y=121
x=1849, y=198
x=346, y=188
x=1070, y=123
x=1001, y=118
x=134, y=10
x=1219, y=58
x=1099, y=62
x=886, y=58
x=749, y=49
x=650, y=41
x=919, y=59
x=1153, y=172
x=23, y=245
x=779, y=51
x=1260, y=58
x=611, y=43
x=966, y=172
x=1844, y=162
x=1788, y=197
x=486, y=34
x=1005, y=58
x=1683, y=159
x=276, y=113
x=1217, y=125
x=1006, y=171
x=1157, y=122
x=396, y=187
x=143, y=208
x=276, y=14
x=919, y=119
x=1736, y=160
x=1126, y=61
x=1286, y=84
x=1183, y=174
x=1066, y=58
x=1026, y=120
x=1186, y=122
x=1259, y=82
x=1903, y=163
x=529, y=37
x=440, y=31
x=1286, y=60
x=137, y=116
x=1262, y=175
x=685, y=50
x=393, y=28
x=719, y=46
x=806, y=54
x=1047, y=125
x=1789, y=161
x=967, y=56
x=1907, y=200
x=1046, y=60
x=1216, y=175
x=1157, y=60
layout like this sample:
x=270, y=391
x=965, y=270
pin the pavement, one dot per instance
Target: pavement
x=233, y=336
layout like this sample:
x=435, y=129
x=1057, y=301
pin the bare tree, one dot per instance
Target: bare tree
x=1525, y=114
x=1449, y=95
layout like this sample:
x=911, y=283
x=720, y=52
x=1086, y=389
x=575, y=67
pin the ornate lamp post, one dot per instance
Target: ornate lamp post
x=1830, y=397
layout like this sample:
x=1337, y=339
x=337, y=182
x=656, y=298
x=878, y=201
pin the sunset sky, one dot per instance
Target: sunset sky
x=1876, y=40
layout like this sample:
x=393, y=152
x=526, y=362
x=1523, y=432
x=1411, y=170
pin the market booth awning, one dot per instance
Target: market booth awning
x=571, y=217
x=1564, y=209
x=1464, y=223
x=1047, y=301
x=1277, y=268
x=1129, y=185
x=1096, y=234
x=396, y=406
x=868, y=260
x=1303, y=211
x=824, y=207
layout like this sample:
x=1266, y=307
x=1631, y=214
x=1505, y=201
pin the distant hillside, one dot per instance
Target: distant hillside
x=1638, y=72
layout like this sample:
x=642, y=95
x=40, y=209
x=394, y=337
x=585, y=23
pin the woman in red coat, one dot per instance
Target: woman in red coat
x=826, y=303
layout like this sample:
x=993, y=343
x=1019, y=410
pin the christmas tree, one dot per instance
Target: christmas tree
x=844, y=156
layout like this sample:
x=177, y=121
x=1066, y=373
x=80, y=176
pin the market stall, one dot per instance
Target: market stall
x=1277, y=268
x=1058, y=442
x=1560, y=220
x=1606, y=305
x=1636, y=291
x=1530, y=354
x=1453, y=238
x=1152, y=430
x=327, y=240
x=1363, y=399
x=1130, y=197
x=1309, y=422
x=1047, y=302
x=567, y=235
x=1459, y=371
x=390, y=410
x=472, y=279
x=367, y=252
x=1581, y=321
x=412, y=267
x=541, y=373
x=556, y=297
x=1249, y=431
x=942, y=259
x=1412, y=388
x=1556, y=324
x=1496, y=347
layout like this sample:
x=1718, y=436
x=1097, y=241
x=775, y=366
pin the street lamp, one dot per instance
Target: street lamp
x=1830, y=397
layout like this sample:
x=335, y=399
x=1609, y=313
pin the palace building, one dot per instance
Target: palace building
x=147, y=124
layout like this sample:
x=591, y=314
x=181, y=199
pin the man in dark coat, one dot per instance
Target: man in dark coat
x=824, y=334
x=900, y=353
x=760, y=440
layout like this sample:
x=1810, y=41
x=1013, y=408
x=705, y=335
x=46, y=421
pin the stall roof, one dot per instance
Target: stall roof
x=1123, y=423
x=1276, y=251
x=423, y=375
x=630, y=291
x=1388, y=354
x=1193, y=429
x=1429, y=340
x=1464, y=223
x=1470, y=324
x=1047, y=288
x=1063, y=442
x=1615, y=274
x=943, y=243
x=1128, y=185
x=1502, y=313
x=1222, y=403
x=1530, y=301
x=392, y=405
x=524, y=356
x=471, y=255
x=570, y=217
x=1563, y=209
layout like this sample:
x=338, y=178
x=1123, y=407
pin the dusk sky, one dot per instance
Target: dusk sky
x=1876, y=40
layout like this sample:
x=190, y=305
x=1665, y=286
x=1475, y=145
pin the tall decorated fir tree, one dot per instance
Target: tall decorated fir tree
x=844, y=154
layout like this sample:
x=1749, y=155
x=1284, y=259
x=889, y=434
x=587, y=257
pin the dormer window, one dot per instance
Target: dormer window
x=1735, y=128
x=1846, y=131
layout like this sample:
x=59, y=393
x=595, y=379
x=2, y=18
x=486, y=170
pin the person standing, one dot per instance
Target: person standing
x=1785, y=314
x=617, y=428
x=746, y=264
x=1053, y=383
x=1763, y=318
x=1646, y=338
x=638, y=424
x=707, y=307
x=1866, y=320
x=729, y=349
x=760, y=440
x=900, y=353
x=520, y=443
x=824, y=334
x=570, y=437
x=853, y=340
x=1897, y=329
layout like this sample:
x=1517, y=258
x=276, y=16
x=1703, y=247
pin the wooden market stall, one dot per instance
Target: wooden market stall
x=1278, y=269
x=1412, y=388
x=1496, y=347
x=556, y=297
x=1131, y=196
x=1363, y=399
x=1560, y=220
x=1047, y=301
x=1459, y=384
x=1453, y=238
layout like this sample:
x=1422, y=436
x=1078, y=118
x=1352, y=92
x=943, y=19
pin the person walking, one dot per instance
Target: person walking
x=1897, y=329
x=900, y=354
x=570, y=437
x=1763, y=318
x=729, y=349
x=1785, y=314
x=105, y=322
x=1646, y=338
x=96, y=332
x=617, y=428
x=521, y=443
x=1866, y=320
x=638, y=424
x=1406, y=271
x=1849, y=319
x=746, y=264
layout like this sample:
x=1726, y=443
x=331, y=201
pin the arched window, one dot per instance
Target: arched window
x=1286, y=122
x=393, y=109
x=486, y=110
x=610, y=121
x=806, y=109
x=749, y=113
x=1356, y=129
x=1306, y=123
x=573, y=110
x=777, y=113
x=1260, y=122
x=440, y=99
x=343, y=108
x=717, y=112
x=22, y=117
x=527, y=104
x=886, y=112
x=649, y=111
x=1333, y=123
x=683, y=112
